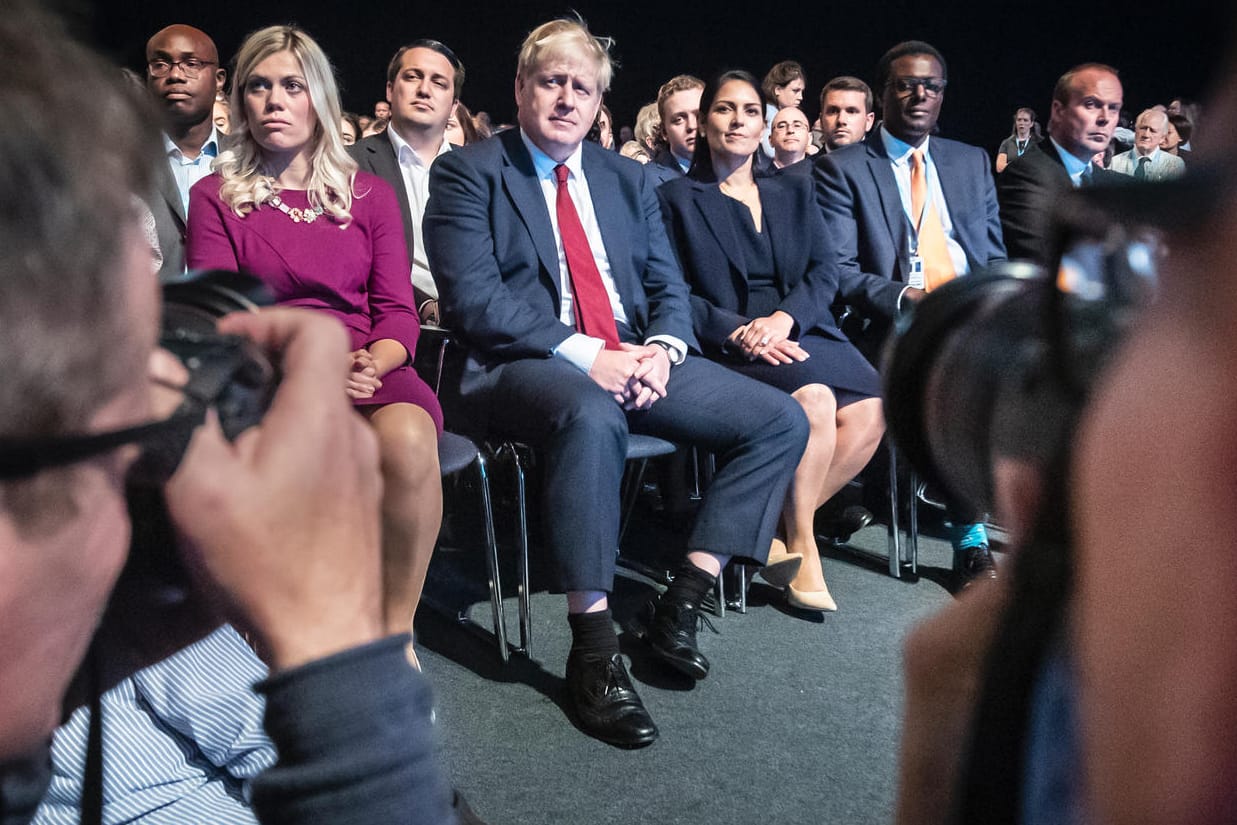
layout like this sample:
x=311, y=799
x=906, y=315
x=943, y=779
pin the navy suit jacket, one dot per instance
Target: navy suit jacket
x=701, y=227
x=492, y=249
x=858, y=195
x=1028, y=189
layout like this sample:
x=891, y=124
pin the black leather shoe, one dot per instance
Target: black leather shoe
x=845, y=524
x=977, y=564
x=600, y=694
x=672, y=635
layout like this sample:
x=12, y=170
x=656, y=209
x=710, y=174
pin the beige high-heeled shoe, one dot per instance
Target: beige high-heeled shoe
x=811, y=599
x=781, y=566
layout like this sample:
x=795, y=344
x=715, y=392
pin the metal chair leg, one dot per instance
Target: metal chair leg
x=895, y=537
x=491, y=557
x=525, y=589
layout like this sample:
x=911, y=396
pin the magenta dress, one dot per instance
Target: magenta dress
x=359, y=275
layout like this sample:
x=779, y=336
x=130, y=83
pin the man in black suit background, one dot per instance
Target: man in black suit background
x=556, y=273
x=1086, y=106
x=887, y=254
x=424, y=80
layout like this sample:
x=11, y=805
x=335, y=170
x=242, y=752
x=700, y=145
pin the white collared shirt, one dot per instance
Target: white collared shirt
x=578, y=348
x=899, y=152
x=416, y=174
x=187, y=172
x=1073, y=165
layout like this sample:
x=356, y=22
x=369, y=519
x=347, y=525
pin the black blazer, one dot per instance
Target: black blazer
x=701, y=227
x=1027, y=190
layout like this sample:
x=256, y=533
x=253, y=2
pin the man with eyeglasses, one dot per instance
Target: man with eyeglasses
x=183, y=77
x=789, y=136
x=908, y=212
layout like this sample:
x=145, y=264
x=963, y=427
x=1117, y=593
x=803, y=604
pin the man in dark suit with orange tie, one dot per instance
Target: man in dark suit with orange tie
x=555, y=271
x=909, y=211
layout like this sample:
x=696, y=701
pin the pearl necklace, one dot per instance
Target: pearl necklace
x=297, y=215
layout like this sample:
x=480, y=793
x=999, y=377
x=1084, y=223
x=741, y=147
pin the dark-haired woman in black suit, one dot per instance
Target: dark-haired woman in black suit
x=757, y=256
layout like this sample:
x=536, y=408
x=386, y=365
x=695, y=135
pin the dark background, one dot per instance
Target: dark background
x=1001, y=55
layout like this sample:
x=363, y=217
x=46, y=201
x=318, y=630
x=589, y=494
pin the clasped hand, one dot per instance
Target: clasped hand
x=634, y=375
x=768, y=338
x=363, y=380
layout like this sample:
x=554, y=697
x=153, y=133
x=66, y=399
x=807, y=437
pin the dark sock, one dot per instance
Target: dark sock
x=690, y=584
x=593, y=633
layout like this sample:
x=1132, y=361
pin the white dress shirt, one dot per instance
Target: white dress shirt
x=578, y=348
x=416, y=174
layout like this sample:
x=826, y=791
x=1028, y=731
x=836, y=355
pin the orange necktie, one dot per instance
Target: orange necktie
x=937, y=265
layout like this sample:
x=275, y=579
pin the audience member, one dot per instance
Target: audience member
x=1177, y=136
x=375, y=127
x=1086, y=102
x=632, y=149
x=461, y=130
x=183, y=76
x=783, y=88
x=947, y=226
x=761, y=306
x=678, y=106
x=348, y=716
x=275, y=208
x=382, y=110
x=648, y=127
x=602, y=131
x=1023, y=135
x=484, y=127
x=349, y=128
x=846, y=114
x=424, y=80
x=557, y=275
x=221, y=115
x=1146, y=161
x=789, y=139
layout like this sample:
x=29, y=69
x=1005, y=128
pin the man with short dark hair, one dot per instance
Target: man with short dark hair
x=846, y=114
x=557, y=275
x=910, y=211
x=1086, y=105
x=183, y=77
x=424, y=80
x=789, y=136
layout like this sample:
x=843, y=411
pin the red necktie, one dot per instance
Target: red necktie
x=937, y=265
x=591, y=304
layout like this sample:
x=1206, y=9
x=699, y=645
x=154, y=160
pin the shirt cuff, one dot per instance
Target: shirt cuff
x=677, y=350
x=580, y=349
x=900, y=296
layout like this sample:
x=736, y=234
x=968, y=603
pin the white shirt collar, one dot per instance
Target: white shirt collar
x=899, y=151
x=405, y=153
x=1154, y=151
x=544, y=164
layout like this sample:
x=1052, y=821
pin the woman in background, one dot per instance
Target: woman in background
x=287, y=204
x=1024, y=134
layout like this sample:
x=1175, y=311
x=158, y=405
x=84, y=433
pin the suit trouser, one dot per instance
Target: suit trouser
x=758, y=434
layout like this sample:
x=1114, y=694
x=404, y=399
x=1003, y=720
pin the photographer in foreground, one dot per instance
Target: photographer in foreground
x=284, y=539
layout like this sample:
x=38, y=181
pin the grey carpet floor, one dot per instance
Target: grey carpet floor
x=797, y=722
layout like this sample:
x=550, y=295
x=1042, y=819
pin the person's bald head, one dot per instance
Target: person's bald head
x=176, y=53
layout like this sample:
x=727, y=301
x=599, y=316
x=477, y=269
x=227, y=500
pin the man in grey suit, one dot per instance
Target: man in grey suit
x=424, y=80
x=1146, y=161
x=866, y=191
x=183, y=77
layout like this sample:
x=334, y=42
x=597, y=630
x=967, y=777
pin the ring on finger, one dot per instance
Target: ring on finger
x=764, y=341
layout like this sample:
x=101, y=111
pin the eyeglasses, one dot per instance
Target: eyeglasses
x=932, y=86
x=191, y=67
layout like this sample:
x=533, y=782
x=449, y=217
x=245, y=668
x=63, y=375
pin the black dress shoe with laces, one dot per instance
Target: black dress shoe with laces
x=672, y=634
x=977, y=563
x=606, y=706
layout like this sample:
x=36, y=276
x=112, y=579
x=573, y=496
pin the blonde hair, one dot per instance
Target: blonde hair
x=560, y=38
x=648, y=124
x=332, y=170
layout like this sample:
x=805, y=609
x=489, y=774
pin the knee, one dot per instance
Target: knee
x=409, y=448
x=819, y=405
x=791, y=422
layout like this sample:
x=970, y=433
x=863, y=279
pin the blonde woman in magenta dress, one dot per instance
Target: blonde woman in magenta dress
x=288, y=205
